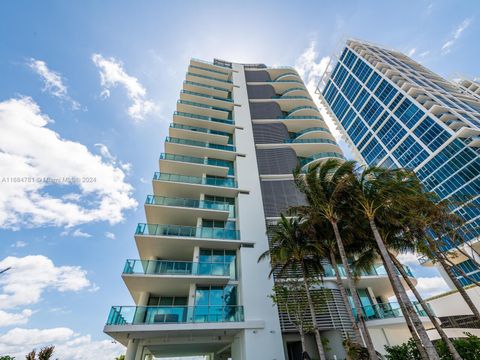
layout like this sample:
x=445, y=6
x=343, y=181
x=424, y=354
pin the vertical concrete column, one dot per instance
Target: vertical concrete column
x=132, y=348
x=254, y=282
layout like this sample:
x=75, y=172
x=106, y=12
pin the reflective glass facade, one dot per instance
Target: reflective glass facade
x=397, y=113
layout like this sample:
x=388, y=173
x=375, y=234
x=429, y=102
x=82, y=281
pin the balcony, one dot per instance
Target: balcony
x=191, y=186
x=182, y=268
x=171, y=278
x=176, y=241
x=389, y=310
x=149, y=315
x=303, y=111
x=201, y=69
x=287, y=103
x=209, y=80
x=312, y=131
x=186, y=118
x=203, y=110
x=206, y=99
x=215, y=91
x=175, y=210
x=199, y=133
x=320, y=157
x=195, y=166
x=190, y=147
x=296, y=91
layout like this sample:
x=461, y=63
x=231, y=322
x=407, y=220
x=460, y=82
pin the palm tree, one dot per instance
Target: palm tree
x=324, y=186
x=292, y=250
x=44, y=354
x=384, y=195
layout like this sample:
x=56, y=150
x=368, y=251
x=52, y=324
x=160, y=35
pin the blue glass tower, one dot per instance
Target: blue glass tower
x=394, y=112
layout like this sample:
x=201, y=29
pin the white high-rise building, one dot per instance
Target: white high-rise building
x=237, y=133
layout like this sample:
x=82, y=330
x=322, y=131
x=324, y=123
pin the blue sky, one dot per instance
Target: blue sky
x=87, y=90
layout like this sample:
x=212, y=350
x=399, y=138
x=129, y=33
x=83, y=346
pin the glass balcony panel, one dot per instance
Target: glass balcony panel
x=209, y=180
x=192, y=203
x=145, y=315
x=199, y=143
x=187, y=231
x=170, y=267
x=201, y=117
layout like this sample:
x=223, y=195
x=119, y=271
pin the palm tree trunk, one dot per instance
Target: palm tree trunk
x=318, y=338
x=459, y=287
x=426, y=308
x=394, y=279
x=411, y=328
x=344, y=295
x=302, y=340
x=353, y=291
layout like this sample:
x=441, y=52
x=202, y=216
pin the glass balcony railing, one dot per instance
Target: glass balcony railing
x=174, y=140
x=321, y=155
x=310, y=141
x=192, y=103
x=149, y=315
x=190, y=203
x=378, y=270
x=205, y=96
x=202, y=117
x=210, y=70
x=293, y=89
x=209, y=78
x=209, y=180
x=197, y=160
x=305, y=117
x=387, y=310
x=187, y=231
x=187, y=268
x=291, y=97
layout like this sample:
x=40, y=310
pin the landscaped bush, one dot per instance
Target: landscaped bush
x=468, y=348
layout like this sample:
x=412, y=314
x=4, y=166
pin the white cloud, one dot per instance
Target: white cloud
x=423, y=54
x=447, y=46
x=430, y=286
x=69, y=345
x=110, y=235
x=52, y=81
x=408, y=258
x=35, y=159
x=411, y=52
x=19, y=244
x=79, y=233
x=8, y=319
x=31, y=275
x=112, y=74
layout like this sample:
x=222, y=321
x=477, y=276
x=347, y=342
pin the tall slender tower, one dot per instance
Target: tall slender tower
x=396, y=113
x=226, y=174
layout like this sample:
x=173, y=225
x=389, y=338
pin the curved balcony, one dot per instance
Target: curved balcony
x=174, y=210
x=178, y=241
x=303, y=111
x=204, y=110
x=211, y=65
x=298, y=91
x=173, y=277
x=320, y=157
x=186, y=118
x=289, y=103
x=304, y=148
x=209, y=80
x=195, y=166
x=150, y=315
x=192, y=186
x=199, y=133
x=312, y=131
x=191, y=147
x=287, y=76
x=193, y=96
